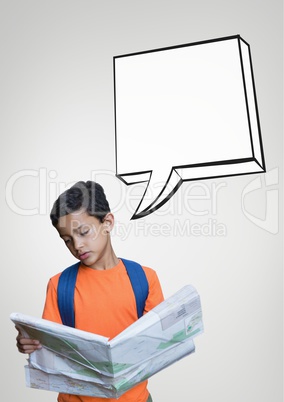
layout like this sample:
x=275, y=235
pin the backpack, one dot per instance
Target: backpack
x=67, y=282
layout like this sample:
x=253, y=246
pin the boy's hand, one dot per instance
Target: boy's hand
x=26, y=345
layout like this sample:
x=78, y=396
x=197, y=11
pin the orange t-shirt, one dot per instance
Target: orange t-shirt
x=105, y=305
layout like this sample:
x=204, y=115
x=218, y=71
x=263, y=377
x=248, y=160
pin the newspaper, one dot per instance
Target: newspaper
x=82, y=363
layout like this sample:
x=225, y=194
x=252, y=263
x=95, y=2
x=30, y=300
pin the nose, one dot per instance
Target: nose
x=78, y=243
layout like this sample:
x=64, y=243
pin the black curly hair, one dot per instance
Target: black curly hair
x=88, y=195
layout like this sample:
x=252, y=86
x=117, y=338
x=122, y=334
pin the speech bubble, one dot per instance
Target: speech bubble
x=183, y=113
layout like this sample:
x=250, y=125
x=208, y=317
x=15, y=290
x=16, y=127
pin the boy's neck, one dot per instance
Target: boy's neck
x=106, y=262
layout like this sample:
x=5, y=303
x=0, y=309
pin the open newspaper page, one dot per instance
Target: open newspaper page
x=78, y=362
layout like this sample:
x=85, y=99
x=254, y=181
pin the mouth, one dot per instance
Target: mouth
x=83, y=256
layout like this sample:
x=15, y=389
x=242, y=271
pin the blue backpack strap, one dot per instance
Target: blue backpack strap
x=139, y=284
x=65, y=294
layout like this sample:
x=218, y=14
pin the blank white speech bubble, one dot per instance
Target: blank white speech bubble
x=184, y=113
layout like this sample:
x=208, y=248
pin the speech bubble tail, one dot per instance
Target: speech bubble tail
x=160, y=196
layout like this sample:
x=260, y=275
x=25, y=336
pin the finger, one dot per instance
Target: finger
x=28, y=348
x=26, y=345
x=28, y=341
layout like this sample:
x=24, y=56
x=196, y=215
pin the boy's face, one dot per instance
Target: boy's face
x=87, y=238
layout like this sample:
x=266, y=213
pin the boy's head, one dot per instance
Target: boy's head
x=88, y=196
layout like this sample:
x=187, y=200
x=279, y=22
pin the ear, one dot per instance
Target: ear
x=108, y=222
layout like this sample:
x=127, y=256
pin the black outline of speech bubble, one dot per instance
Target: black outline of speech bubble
x=123, y=176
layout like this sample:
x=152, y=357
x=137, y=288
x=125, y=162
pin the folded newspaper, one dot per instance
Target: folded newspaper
x=82, y=363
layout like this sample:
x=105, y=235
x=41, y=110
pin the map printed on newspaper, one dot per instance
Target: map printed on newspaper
x=78, y=362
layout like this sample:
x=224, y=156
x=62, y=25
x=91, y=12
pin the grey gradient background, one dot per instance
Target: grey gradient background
x=57, y=127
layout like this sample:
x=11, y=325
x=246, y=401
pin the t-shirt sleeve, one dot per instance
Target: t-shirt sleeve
x=155, y=295
x=51, y=311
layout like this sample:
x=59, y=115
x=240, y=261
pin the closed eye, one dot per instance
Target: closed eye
x=84, y=233
x=66, y=241
x=85, y=229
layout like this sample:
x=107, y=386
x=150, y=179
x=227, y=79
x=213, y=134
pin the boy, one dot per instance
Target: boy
x=104, y=299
